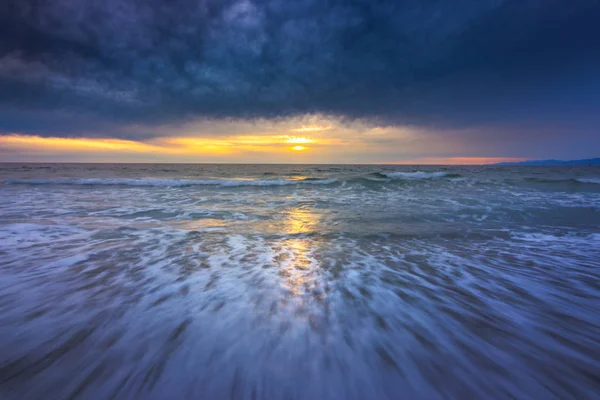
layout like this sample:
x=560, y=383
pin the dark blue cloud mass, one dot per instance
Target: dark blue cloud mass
x=71, y=67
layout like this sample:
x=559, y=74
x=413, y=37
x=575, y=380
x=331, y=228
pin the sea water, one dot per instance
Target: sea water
x=299, y=282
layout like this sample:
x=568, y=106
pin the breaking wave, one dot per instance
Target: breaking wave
x=374, y=177
x=418, y=175
x=568, y=180
x=588, y=180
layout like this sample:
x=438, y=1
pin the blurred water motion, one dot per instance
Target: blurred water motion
x=358, y=283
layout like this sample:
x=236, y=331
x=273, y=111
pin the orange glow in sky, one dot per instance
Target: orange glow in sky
x=299, y=140
x=331, y=142
x=190, y=149
x=52, y=144
x=168, y=145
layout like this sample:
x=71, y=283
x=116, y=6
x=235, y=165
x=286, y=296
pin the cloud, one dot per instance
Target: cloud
x=123, y=68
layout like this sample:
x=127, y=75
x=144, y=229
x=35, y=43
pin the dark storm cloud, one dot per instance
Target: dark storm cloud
x=73, y=67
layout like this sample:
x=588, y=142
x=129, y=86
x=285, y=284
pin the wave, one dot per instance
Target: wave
x=172, y=182
x=417, y=175
x=566, y=180
x=374, y=179
x=589, y=180
x=369, y=179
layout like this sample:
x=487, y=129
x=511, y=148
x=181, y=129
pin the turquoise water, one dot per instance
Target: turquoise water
x=299, y=282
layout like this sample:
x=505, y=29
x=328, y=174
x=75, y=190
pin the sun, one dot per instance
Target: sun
x=299, y=148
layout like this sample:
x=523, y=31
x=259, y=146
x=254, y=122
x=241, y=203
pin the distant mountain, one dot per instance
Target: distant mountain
x=587, y=161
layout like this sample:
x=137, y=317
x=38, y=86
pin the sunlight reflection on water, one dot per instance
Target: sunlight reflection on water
x=423, y=286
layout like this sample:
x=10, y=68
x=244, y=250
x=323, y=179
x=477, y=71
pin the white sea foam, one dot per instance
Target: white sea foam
x=415, y=175
x=546, y=238
x=588, y=180
x=237, y=244
x=25, y=234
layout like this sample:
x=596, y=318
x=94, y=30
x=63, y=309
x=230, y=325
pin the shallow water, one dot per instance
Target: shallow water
x=299, y=282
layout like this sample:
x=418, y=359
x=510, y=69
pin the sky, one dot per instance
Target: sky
x=302, y=81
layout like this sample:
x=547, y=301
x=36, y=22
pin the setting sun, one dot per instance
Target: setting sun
x=299, y=148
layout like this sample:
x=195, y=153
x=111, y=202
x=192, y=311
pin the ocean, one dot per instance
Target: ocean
x=124, y=281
